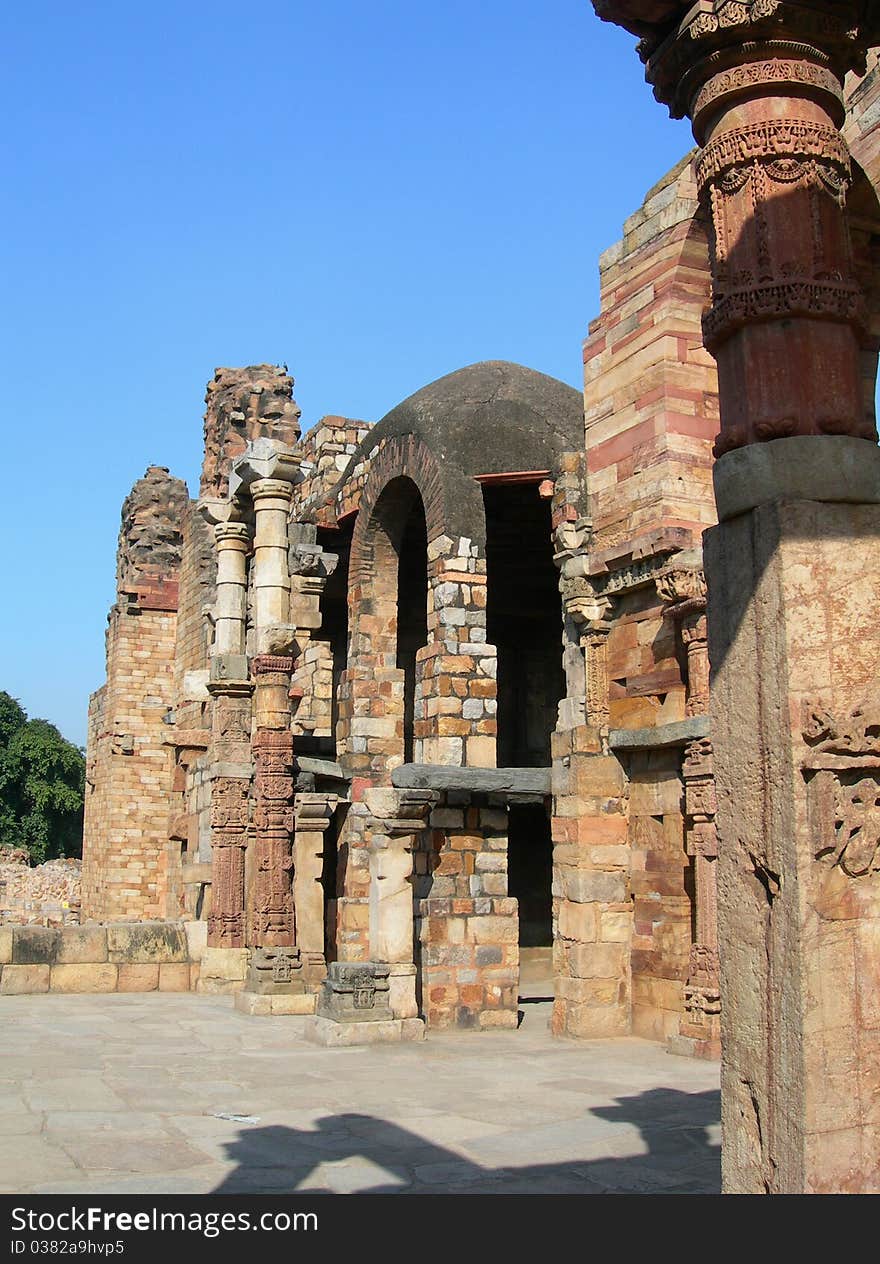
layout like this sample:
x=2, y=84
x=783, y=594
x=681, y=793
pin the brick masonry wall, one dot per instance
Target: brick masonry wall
x=197, y=590
x=467, y=926
x=126, y=849
x=650, y=394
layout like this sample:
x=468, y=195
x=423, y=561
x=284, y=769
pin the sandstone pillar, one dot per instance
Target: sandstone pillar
x=271, y=581
x=792, y=598
x=313, y=813
x=683, y=585
x=233, y=542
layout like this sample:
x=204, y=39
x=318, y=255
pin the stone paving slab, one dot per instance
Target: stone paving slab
x=120, y=1094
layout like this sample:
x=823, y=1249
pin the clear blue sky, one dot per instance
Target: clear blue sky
x=374, y=193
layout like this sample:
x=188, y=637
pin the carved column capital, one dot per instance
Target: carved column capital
x=762, y=81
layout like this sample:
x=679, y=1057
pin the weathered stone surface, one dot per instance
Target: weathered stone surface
x=81, y=944
x=34, y=945
x=21, y=980
x=143, y=978
x=174, y=976
x=664, y=735
x=145, y=942
x=263, y=1005
x=501, y=781
x=324, y=1031
x=824, y=468
x=96, y=977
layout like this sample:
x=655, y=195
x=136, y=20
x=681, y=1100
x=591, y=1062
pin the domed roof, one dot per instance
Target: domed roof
x=492, y=417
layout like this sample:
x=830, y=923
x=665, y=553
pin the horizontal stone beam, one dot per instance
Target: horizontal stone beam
x=321, y=767
x=678, y=734
x=510, y=781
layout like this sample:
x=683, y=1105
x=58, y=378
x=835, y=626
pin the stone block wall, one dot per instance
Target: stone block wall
x=646, y=686
x=662, y=893
x=123, y=957
x=592, y=904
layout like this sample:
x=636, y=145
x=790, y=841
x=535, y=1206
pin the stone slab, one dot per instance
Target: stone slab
x=503, y=781
x=677, y=734
x=827, y=468
x=266, y=1005
x=324, y=1031
x=321, y=768
x=79, y=945
x=141, y=943
x=23, y=980
x=95, y=977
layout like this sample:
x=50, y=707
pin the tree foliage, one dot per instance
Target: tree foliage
x=42, y=784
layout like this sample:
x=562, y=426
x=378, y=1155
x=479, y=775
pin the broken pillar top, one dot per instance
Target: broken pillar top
x=244, y=405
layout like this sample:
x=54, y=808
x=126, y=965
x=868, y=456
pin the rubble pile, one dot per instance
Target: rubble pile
x=45, y=895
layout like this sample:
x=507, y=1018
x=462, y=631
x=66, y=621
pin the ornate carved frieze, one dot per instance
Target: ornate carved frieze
x=273, y=830
x=779, y=71
x=775, y=140
x=229, y=836
x=702, y=992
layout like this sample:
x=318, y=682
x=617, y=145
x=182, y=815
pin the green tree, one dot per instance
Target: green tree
x=42, y=784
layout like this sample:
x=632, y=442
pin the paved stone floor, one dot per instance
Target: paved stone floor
x=124, y=1094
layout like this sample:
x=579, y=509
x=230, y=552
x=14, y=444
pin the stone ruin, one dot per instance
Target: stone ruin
x=402, y=717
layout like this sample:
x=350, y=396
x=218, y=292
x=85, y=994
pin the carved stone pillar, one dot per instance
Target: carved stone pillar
x=701, y=1026
x=230, y=612
x=273, y=925
x=396, y=816
x=313, y=813
x=591, y=613
x=792, y=612
x=230, y=790
x=683, y=585
x=271, y=582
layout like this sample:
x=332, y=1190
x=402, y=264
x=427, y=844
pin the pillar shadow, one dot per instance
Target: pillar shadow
x=373, y=1156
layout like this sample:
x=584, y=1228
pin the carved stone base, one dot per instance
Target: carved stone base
x=326, y=1031
x=275, y=972
x=689, y=1047
x=356, y=992
x=261, y=1005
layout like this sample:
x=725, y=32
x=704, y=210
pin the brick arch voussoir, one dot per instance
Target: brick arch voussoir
x=403, y=456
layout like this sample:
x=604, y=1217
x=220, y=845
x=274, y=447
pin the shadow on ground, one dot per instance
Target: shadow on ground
x=372, y=1156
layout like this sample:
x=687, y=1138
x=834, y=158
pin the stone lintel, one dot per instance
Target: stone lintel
x=510, y=782
x=830, y=469
x=678, y=734
x=321, y=768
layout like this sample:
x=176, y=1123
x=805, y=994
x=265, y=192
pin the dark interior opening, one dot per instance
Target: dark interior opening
x=334, y=627
x=412, y=611
x=524, y=622
x=332, y=879
x=530, y=872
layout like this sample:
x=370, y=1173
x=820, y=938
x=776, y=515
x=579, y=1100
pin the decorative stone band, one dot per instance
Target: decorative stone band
x=839, y=301
x=232, y=535
x=777, y=74
x=772, y=139
x=273, y=664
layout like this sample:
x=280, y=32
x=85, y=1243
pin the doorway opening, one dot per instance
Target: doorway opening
x=530, y=880
x=524, y=621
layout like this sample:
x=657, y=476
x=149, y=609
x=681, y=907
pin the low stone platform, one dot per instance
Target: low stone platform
x=182, y=1094
x=324, y=1031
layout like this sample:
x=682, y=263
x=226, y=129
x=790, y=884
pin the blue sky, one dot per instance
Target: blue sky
x=374, y=193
